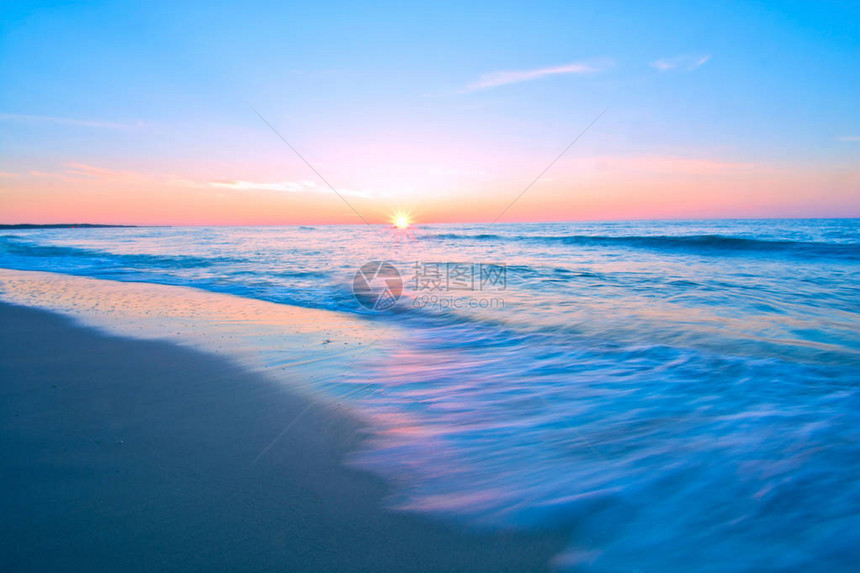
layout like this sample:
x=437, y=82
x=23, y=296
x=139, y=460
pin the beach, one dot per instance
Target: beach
x=216, y=398
x=423, y=286
x=141, y=455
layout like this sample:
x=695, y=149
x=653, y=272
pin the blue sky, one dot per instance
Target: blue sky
x=381, y=97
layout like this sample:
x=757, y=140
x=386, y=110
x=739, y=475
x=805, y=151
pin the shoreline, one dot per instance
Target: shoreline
x=260, y=336
x=143, y=455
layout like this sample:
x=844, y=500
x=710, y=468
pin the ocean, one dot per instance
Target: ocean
x=679, y=395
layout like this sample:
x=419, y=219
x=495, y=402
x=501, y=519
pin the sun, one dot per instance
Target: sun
x=401, y=220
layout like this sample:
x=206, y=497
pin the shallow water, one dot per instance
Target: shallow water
x=680, y=395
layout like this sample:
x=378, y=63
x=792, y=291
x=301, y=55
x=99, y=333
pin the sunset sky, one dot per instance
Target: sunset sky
x=146, y=113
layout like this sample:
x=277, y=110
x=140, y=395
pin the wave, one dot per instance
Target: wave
x=482, y=236
x=12, y=246
x=699, y=244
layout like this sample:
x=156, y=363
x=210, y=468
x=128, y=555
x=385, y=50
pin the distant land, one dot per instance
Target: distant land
x=61, y=226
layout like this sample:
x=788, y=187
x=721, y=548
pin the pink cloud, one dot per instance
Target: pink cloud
x=497, y=79
x=684, y=63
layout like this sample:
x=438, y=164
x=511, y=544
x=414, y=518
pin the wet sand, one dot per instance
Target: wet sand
x=139, y=455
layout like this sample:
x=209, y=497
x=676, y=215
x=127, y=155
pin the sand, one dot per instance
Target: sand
x=123, y=454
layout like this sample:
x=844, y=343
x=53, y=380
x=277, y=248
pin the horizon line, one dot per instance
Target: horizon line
x=24, y=226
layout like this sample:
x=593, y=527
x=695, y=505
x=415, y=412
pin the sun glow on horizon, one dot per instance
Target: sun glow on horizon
x=401, y=220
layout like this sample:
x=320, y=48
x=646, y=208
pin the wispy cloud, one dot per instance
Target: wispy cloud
x=47, y=174
x=496, y=79
x=685, y=63
x=81, y=172
x=67, y=121
x=286, y=186
x=849, y=138
x=92, y=171
x=77, y=172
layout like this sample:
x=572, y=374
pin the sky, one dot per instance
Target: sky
x=160, y=112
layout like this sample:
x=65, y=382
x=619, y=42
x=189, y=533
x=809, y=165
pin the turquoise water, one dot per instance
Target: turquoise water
x=680, y=396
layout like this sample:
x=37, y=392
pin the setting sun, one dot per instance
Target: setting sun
x=401, y=220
